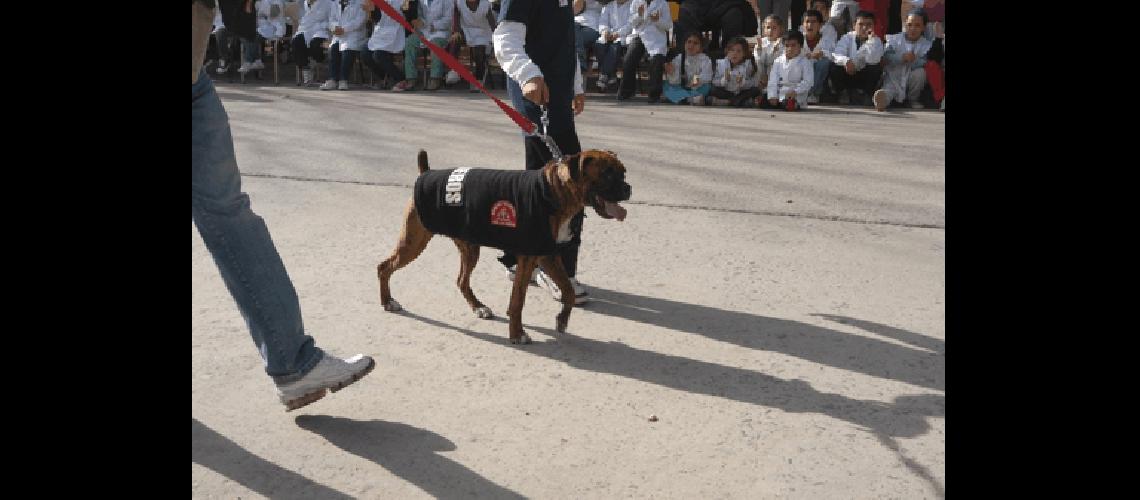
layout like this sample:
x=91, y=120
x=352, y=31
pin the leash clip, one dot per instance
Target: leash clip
x=554, y=151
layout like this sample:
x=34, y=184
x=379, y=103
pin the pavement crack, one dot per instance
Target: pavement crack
x=772, y=213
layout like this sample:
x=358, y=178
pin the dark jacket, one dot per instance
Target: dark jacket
x=505, y=209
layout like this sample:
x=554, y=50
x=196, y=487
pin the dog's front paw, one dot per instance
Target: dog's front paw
x=523, y=339
x=484, y=312
x=393, y=306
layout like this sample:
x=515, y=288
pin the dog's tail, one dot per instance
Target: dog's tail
x=421, y=161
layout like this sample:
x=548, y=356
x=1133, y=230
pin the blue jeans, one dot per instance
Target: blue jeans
x=822, y=66
x=340, y=62
x=240, y=244
x=608, y=55
x=584, y=36
x=251, y=49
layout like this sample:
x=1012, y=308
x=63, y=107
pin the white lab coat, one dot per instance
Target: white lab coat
x=315, y=19
x=654, y=34
x=355, y=23
x=895, y=72
x=699, y=64
x=742, y=77
x=269, y=26
x=590, y=15
x=826, y=44
x=476, y=29
x=615, y=19
x=765, y=54
x=796, y=74
x=871, y=52
x=388, y=34
x=218, y=20
x=437, y=16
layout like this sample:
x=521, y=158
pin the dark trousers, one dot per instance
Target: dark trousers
x=340, y=62
x=629, y=71
x=740, y=99
x=694, y=16
x=866, y=79
x=537, y=154
x=302, y=53
x=798, y=9
x=382, y=65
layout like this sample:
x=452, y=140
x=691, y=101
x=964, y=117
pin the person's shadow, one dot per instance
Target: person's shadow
x=921, y=362
x=218, y=453
x=408, y=452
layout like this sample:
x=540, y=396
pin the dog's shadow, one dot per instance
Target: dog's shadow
x=920, y=362
x=904, y=417
x=408, y=452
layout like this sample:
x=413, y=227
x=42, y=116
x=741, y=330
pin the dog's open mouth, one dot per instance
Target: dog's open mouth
x=608, y=209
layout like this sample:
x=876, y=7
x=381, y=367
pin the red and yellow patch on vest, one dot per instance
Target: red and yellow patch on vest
x=503, y=214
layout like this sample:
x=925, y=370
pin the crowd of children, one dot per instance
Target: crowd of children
x=784, y=68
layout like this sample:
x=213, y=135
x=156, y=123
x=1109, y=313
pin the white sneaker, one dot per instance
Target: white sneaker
x=545, y=281
x=257, y=65
x=221, y=69
x=452, y=77
x=306, y=76
x=881, y=100
x=328, y=85
x=245, y=67
x=330, y=372
x=813, y=99
x=343, y=85
x=602, y=82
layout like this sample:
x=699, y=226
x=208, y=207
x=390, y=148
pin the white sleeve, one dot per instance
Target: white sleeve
x=839, y=55
x=509, y=39
x=721, y=72
x=774, y=80
x=674, y=77
x=807, y=81
x=706, y=71
x=665, y=22
x=635, y=20
x=604, y=21
x=874, y=52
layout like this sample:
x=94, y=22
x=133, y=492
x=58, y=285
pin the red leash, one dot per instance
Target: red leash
x=454, y=64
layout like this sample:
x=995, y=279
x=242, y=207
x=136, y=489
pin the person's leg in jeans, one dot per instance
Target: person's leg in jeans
x=347, y=59
x=225, y=49
x=656, y=68
x=316, y=51
x=584, y=36
x=629, y=69
x=334, y=62
x=821, y=68
x=249, y=264
x=300, y=52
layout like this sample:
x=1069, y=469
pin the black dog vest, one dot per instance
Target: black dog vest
x=505, y=209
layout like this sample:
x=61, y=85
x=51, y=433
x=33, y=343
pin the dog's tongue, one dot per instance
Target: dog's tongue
x=615, y=210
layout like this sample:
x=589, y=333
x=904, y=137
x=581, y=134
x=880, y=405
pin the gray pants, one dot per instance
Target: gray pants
x=915, y=81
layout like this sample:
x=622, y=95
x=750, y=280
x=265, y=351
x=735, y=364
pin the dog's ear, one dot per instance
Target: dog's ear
x=573, y=164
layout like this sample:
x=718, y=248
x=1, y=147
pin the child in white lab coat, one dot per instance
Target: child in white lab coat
x=770, y=46
x=735, y=80
x=615, y=34
x=349, y=36
x=690, y=73
x=904, y=73
x=475, y=28
x=857, y=59
x=651, y=22
x=791, y=78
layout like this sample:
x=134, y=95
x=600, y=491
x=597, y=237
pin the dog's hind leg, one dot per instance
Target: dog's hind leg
x=552, y=265
x=414, y=237
x=468, y=259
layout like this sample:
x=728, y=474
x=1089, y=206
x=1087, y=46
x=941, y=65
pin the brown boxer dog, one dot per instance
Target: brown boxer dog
x=592, y=177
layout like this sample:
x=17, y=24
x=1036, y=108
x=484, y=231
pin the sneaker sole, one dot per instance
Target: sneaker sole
x=320, y=393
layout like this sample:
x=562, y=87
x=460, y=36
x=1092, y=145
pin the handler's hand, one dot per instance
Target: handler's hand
x=579, y=104
x=536, y=91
